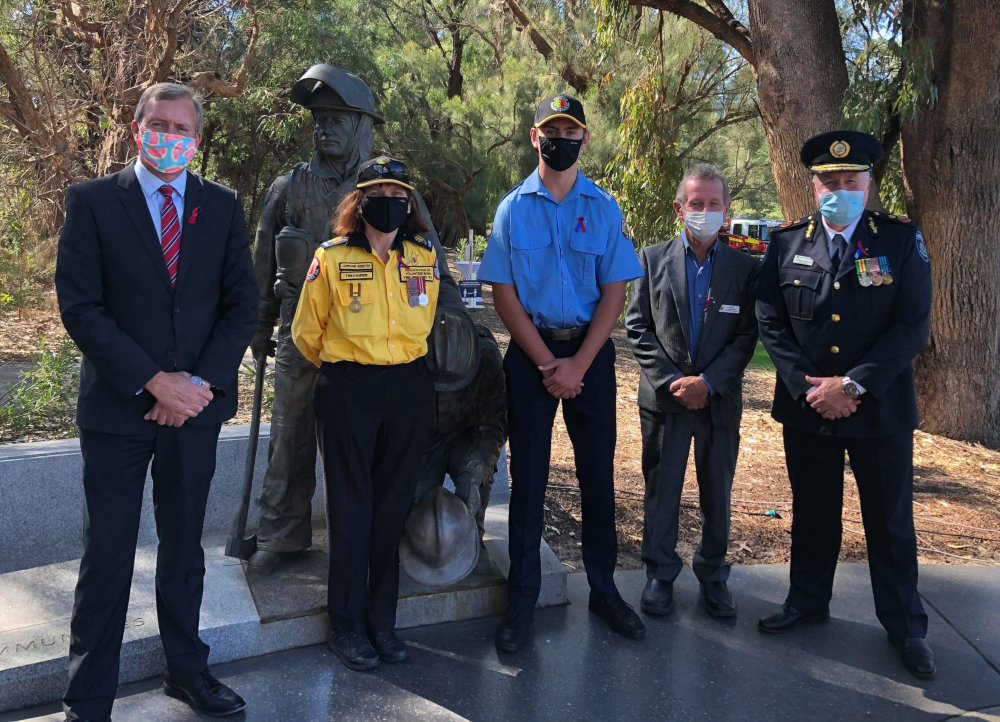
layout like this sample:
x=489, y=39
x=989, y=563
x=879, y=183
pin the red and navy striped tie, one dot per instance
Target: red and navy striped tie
x=170, y=233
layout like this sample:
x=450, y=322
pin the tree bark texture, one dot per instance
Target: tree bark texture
x=951, y=167
x=801, y=81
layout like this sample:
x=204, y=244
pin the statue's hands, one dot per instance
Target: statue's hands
x=262, y=344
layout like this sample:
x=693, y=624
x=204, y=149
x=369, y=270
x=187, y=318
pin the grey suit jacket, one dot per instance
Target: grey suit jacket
x=657, y=319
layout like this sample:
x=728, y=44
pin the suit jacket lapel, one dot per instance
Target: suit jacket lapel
x=130, y=193
x=191, y=237
x=677, y=277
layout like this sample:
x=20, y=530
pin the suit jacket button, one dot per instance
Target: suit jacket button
x=836, y=285
x=835, y=349
x=835, y=317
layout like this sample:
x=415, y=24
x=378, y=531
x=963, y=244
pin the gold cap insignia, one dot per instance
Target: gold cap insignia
x=840, y=149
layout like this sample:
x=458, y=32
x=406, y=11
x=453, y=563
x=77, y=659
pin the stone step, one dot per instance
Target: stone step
x=239, y=618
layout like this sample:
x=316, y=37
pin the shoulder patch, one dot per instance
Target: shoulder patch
x=423, y=242
x=339, y=240
x=921, y=247
x=313, y=273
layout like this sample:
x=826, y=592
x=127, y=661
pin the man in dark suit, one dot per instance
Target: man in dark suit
x=844, y=307
x=691, y=324
x=155, y=286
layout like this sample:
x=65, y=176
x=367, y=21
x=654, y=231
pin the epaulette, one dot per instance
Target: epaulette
x=792, y=224
x=339, y=240
x=423, y=242
x=893, y=217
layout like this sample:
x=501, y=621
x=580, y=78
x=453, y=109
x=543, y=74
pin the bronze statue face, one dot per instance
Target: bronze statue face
x=335, y=132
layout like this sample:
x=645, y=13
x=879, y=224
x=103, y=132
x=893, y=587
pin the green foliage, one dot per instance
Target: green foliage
x=25, y=257
x=760, y=359
x=45, y=397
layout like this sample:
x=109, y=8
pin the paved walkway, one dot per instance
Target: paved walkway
x=689, y=666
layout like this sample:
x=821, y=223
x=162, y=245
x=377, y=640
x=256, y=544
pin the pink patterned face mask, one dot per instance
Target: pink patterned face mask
x=166, y=152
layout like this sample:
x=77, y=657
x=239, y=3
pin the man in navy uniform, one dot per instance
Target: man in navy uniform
x=843, y=307
x=559, y=261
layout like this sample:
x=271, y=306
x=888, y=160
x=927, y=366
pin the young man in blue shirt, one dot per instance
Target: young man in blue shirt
x=559, y=261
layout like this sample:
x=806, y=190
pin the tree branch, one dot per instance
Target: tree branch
x=578, y=82
x=726, y=28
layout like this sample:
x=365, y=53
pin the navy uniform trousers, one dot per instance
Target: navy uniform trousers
x=371, y=428
x=883, y=468
x=114, y=475
x=590, y=422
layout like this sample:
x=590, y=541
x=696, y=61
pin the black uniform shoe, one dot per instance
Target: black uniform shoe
x=513, y=630
x=788, y=617
x=718, y=599
x=619, y=615
x=657, y=597
x=264, y=562
x=916, y=655
x=203, y=693
x=354, y=649
x=390, y=649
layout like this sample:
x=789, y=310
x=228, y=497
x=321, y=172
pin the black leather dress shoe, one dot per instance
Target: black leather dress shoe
x=788, y=617
x=917, y=655
x=390, y=649
x=513, y=630
x=657, y=597
x=619, y=615
x=354, y=649
x=203, y=693
x=718, y=599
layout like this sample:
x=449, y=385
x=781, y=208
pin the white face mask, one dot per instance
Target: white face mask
x=703, y=225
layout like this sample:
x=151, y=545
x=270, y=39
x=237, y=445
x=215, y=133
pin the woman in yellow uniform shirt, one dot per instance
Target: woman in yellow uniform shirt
x=366, y=309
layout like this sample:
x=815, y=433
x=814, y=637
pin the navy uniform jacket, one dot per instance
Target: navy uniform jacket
x=819, y=321
x=118, y=306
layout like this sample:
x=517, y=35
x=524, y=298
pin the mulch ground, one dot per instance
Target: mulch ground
x=956, y=489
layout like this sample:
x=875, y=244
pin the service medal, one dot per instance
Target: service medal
x=355, y=306
x=423, y=300
x=412, y=292
x=355, y=291
x=883, y=262
x=864, y=279
x=876, y=272
x=876, y=279
x=886, y=279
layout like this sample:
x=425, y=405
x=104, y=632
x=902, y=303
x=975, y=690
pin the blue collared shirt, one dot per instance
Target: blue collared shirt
x=558, y=255
x=699, y=284
x=150, y=185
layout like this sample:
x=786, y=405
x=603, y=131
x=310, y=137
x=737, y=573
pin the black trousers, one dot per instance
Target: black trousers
x=371, y=428
x=666, y=442
x=590, y=422
x=883, y=468
x=114, y=474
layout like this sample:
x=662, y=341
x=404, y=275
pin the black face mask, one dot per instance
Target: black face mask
x=384, y=213
x=559, y=153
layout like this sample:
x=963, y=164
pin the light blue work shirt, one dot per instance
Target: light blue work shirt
x=150, y=185
x=558, y=255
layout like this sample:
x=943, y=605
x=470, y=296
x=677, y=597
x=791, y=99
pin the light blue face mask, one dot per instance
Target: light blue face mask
x=842, y=207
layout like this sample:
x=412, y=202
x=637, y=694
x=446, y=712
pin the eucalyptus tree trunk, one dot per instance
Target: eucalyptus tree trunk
x=951, y=167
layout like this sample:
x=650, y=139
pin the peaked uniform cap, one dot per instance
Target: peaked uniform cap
x=840, y=150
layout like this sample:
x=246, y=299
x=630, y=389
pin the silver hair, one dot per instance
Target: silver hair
x=168, y=91
x=702, y=172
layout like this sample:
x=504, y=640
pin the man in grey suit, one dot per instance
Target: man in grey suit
x=690, y=321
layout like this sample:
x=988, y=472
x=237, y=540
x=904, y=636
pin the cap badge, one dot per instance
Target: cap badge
x=559, y=104
x=840, y=149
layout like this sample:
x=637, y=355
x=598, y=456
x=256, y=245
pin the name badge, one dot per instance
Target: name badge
x=424, y=272
x=359, y=271
x=802, y=260
x=728, y=308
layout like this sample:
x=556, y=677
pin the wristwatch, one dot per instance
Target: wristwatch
x=850, y=389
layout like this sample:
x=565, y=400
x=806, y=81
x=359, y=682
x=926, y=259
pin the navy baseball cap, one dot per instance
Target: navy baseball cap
x=560, y=106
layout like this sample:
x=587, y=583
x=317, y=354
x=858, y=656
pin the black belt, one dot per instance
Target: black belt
x=563, y=334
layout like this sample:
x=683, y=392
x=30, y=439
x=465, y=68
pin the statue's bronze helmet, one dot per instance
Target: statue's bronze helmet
x=452, y=355
x=324, y=86
x=440, y=543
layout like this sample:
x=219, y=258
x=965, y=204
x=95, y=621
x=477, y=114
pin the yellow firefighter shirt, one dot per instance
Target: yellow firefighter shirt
x=354, y=307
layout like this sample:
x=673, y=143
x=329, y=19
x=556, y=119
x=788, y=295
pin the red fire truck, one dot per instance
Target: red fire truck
x=750, y=235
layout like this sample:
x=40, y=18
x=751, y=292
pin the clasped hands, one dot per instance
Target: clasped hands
x=177, y=399
x=828, y=399
x=563, y=377
x=691, y=392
